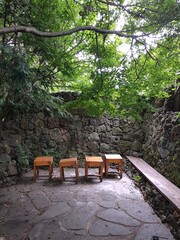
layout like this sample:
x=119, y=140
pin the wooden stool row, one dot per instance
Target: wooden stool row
x=90, y=161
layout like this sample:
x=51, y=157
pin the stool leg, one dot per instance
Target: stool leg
x=86, y=170
x=118, y=168
x=34, y=171
x=76, y=172
x=61, y=173
x=50, y=171
x=101, y=172
x=121, y=166
x=37, y=167
x=106, y=167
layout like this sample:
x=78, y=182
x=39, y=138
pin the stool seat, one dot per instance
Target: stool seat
x=116, y=159
x=68, y=162
x=43, y=161
x=94, y=161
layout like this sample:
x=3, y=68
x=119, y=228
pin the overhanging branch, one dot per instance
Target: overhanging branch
x=33, y=30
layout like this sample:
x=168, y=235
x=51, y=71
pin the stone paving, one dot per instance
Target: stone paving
x=108, y=210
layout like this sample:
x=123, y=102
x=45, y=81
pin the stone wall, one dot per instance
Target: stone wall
x=97, y=136
x=155, y=139
x=161, y=148
x=38, y=134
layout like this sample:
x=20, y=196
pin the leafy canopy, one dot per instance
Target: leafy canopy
x=117, y=55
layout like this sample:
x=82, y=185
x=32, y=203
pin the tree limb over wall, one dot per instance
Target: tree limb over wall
x=33, y=30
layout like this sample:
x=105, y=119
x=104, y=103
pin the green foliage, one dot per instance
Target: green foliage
x=137, y=178
x=32, y=68
x=151, y=16
x=20, y=90
x=179, y=116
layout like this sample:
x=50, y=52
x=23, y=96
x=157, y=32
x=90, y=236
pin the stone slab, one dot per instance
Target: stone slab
x=104, y=228
x=54, y=211
x=78, y=218
x=139, y=210
x=39, y=199
x=147, y=231
x=62, y=195
x=47, y=230
x=118, y=216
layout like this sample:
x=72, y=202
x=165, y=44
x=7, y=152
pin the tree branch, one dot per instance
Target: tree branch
x=36, y=32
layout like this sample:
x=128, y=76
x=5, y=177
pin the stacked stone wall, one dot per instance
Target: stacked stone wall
x=161, y=148
x=38, y=134
x=155, y=139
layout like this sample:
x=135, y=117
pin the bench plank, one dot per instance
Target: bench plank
x=167, y=188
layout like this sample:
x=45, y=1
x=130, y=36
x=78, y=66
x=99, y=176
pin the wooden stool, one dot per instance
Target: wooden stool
x=68, y=162
x=116, y=159
x=92, y=161
x=43, y=161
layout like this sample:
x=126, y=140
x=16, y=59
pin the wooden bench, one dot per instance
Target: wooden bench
x=163, y=185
